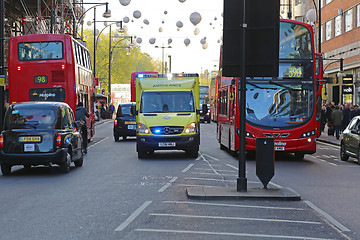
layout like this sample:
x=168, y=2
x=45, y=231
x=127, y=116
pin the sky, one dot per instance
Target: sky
x=192, y=58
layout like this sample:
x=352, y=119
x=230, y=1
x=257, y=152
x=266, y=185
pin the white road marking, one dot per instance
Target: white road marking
x=328, y=217
x=206, y=169
x=330, y=145
x=210, y=179
x=229, y=234
x=233, y=218
x=211, y=157
x=232, y=166
x=234, y=205
x=98, y=142
x=164, y=187
x=133, y=216
x=200, y=173
x=173, y=179
x=187, y=168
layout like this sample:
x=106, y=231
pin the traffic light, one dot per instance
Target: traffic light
x=341, y=64
x=103, y=91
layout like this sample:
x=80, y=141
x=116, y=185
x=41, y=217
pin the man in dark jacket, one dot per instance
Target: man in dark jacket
x=347, y=116
x=337, y=118
x=80, y=115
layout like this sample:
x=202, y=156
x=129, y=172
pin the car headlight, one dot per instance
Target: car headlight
x=191, y=128
x=143, y=129
x=308, y=134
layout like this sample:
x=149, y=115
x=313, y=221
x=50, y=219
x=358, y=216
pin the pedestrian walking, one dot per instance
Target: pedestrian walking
x=355, y=112
x=337, y=118
x=346, y=116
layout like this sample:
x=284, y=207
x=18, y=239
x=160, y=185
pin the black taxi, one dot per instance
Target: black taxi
x=125, y=121
x=40, y=133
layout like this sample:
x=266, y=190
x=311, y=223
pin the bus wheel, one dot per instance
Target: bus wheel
x=222, y=147
x=299, y=156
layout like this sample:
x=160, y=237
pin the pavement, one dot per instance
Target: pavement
x=255, y=190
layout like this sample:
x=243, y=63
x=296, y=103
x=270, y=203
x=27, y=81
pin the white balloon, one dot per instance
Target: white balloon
x=96, y=32
x=139, y=40
x=196, y=31
x=195, y=18
x=89, y=23
x=152, y=40
x=179, y=24
x=169, y=41
x=187, y=42
x=126, y=19
x=203, y=40
x=116, y=35
x=125, y=29
x=219, y=41
x=118, y=24
x=137, y=14
x=106, y=24
x=146, y=21
x=165, y=12
x=124, y=2
x=160, y=29
x=205, y=46
x=182, y=1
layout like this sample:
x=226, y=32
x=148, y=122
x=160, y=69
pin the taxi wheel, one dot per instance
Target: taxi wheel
x=124, y=137
x=116, y=138
x=65, y=167
x=359, y=155
x=80, y=161
x=5, y=169
x=343, y=155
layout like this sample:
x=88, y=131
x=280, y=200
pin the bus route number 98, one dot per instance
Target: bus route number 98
x=41, y=79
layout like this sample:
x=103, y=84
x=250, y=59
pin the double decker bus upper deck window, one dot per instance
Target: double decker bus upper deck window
x=295, y=41
x=34, y=51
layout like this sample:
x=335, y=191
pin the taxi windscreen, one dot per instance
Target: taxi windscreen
x=29, y=118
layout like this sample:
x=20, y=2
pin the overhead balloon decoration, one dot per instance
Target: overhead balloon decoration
x=196, y=31
x=187, y=42
x=179, y=24
x=205, y=45
x=139, y=40
x=160, y=29
x=137, y=14
x=146, y=21
x=165, y=12
x=195, y=18
x=182, y=1
x=126, y=19
x=124, y=2
x=152, y=40
x=203, y=40
x=169, y=41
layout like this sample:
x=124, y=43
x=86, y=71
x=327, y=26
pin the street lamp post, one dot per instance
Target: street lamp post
x=162, y=58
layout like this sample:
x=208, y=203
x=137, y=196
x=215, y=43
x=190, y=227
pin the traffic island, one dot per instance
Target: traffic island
x=254, y=191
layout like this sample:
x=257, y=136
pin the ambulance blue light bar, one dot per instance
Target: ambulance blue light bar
x=174, y=75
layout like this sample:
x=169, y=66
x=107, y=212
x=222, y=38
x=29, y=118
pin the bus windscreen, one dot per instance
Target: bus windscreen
x=34, y=51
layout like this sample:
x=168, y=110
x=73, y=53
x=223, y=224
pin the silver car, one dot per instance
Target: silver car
x=350, y=140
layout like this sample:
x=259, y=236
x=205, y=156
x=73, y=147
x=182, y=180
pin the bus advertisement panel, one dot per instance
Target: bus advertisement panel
x=283, y=108
x=51, y=67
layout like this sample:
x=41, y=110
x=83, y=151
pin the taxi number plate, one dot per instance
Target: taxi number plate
x=30, y=139
x=131, y=126
x=279, y=148
x=29, y=147
x=167, y=144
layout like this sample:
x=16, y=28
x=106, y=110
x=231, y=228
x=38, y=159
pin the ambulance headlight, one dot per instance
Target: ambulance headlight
x=191, y=128
x=143, y=129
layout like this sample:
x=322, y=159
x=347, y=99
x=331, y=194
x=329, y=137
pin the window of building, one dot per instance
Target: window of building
x=328, y=30
x=348, y=20
x=358, y=15
x=337, y=25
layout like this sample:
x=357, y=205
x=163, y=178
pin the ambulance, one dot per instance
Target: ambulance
x=167, y=113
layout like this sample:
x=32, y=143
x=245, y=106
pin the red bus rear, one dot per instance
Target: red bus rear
x=51, y=67
x=283, y=108
x=133, y=84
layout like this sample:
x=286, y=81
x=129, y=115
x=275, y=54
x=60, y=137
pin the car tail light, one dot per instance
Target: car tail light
x=1, y=141
x=115, y=122
x=58, y=140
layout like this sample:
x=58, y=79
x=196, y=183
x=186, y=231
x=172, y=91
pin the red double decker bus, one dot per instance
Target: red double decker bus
x=283, y=108
x=51, y=67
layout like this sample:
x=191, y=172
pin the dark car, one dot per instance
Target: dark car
x=350, y=140
x=205, y=113
x=40, y=133
x=125, y=122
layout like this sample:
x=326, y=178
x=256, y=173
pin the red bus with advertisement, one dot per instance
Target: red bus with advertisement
x=283, y=108
x=51, y=67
